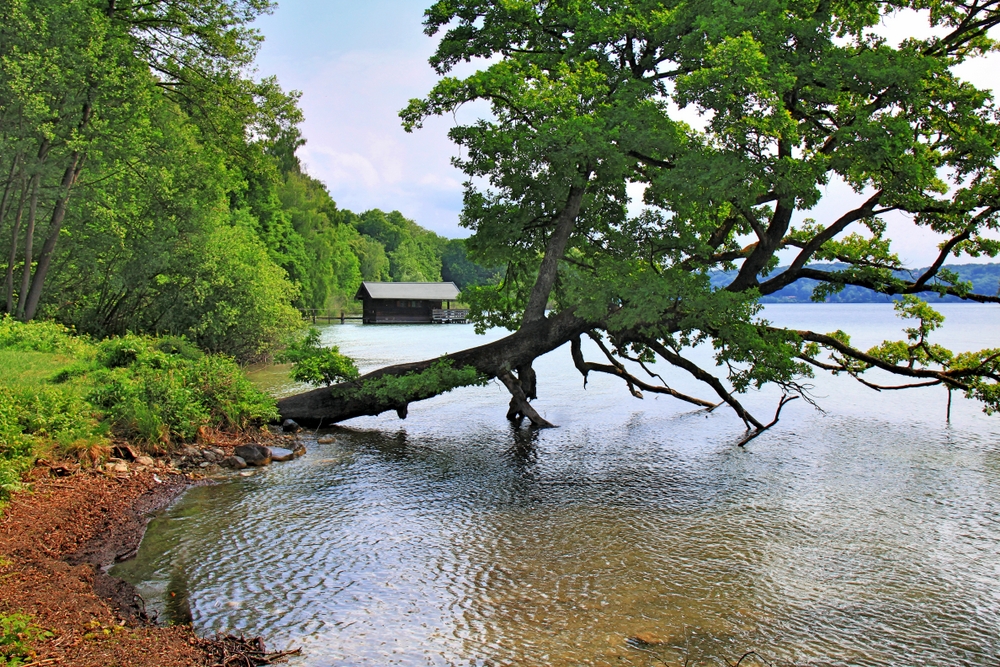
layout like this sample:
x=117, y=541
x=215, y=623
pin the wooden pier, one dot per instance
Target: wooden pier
x=450, y=315
x=316, y=315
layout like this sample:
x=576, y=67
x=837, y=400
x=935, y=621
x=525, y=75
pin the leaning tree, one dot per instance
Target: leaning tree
x=588, y=101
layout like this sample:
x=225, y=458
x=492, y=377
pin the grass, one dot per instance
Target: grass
x=63, y=395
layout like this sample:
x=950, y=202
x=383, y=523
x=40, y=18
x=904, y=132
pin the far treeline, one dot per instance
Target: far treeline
x=149, y=185
x=982, y=278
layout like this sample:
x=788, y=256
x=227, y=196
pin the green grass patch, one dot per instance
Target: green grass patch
x=65, y=395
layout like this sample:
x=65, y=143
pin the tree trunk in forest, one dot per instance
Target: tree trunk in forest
x=496, y=359
x=12, y=256
x=55, y=225
x=29, y=236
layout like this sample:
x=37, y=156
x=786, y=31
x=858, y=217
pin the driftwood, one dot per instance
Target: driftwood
x=232, y=651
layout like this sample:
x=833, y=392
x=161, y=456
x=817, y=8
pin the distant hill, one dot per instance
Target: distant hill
x=985, y=279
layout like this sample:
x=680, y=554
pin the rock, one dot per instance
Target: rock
x=125, y=452
x=188, y=450
x=234, y=462
x=246, y=473
x=281, y=454
x=204, y=464
x=644, y=639
x=210, y=455
x=326, y=440
x=145, y=461
x=254, y=454
x=221, y=452
x=299, y=450
x=290, y=426
x=120, y=466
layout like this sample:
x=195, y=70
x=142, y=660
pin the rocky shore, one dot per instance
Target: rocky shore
x=58, y=538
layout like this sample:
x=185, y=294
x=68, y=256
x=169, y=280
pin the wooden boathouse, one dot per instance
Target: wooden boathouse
x=411, y=303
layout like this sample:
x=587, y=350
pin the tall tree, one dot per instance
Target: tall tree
x=794, y=95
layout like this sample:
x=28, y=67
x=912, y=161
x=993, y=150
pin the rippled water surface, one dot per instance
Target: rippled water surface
x=867, y=535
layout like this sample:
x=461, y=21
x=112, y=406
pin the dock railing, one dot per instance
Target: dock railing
x=450, y=315
x=316, y=315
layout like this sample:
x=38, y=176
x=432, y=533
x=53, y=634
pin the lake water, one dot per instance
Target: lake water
x=868, y=534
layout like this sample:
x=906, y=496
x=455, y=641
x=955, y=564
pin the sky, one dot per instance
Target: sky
x=358, y=63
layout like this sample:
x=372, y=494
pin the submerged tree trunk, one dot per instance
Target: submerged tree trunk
x=493, y=360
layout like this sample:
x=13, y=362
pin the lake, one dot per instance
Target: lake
x=636, y=533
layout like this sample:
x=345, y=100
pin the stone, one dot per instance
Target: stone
x=281, y=454
x=119, y=466
x=234, y=462
x=254, y=454
x=643, y=639
x=188, y=450
x=210, y=456
x=145, y=461
x=246, y=473
x=299, y=450
x=204, y=464
x=221, y=452
x=326, y=440
x=125, y=452
x=290, y=426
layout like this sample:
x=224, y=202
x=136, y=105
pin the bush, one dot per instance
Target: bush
x=162, y=397
x=318, y=365
x=154, y=390
x=16, y=632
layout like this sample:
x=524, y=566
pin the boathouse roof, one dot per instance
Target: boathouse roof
x=428, y=291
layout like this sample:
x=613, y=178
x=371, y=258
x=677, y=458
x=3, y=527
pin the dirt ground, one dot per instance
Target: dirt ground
x=55, y=540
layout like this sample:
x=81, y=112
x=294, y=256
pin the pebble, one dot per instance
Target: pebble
x=145, y=461
x=326, y=440
x=246, y=473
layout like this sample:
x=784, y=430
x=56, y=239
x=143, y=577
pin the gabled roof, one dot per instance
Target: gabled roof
x=428, y=291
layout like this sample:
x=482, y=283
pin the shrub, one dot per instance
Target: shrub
x=318, y=365
x=16, y=632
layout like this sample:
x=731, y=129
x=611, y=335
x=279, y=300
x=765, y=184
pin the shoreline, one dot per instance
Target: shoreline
x=58, y=539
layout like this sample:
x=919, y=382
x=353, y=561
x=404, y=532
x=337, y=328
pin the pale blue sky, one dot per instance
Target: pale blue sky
x=358, y=63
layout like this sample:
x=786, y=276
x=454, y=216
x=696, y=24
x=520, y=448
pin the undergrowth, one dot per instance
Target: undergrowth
x=67, y=395
x=16, y=633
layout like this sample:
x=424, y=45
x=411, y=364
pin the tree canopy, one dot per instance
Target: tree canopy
x=149, y=183
x=587, y=102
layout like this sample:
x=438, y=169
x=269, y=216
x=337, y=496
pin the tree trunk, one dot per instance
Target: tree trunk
x=29, y=237
x=554, y=251
x=493, y=360
x=12, y=256
x=55, y=226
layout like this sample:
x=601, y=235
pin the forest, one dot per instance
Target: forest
x=150, y=185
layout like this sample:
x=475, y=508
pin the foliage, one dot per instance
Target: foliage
x=318, y=365
x=154, y=390
x=16, y=632
x=439, y=378
x=731, y=119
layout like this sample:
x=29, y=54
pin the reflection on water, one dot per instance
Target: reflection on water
x=867, y=535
